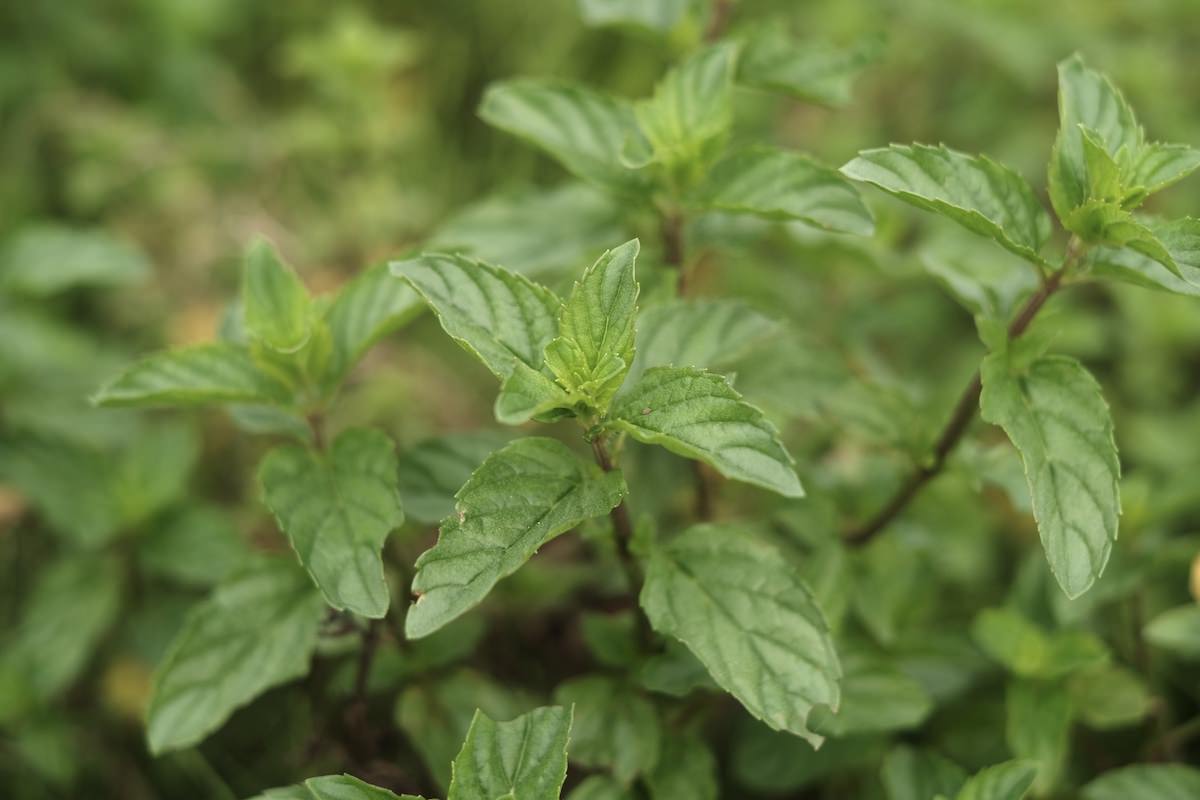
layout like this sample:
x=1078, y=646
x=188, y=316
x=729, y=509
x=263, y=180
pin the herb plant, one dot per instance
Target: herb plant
x=625, y=590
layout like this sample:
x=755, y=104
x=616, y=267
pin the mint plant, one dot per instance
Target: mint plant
x=699, y=546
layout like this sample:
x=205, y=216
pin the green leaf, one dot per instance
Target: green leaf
x=334, y=787
x=783, y=185
x=686, y=121
x=595, y=343
x=582, y=129
x=655, y=15
x=814, y=71
x=337, y=509
x=1107, y=696
x=535, y=231
x=433, y=470
x=741, y=609
x=991, y=286
x=911, y=774
x=44, y=260
x=706, y=334
x=614, y=727
x=525, y=758
x=528, y=394
x=1160, y=165
x=697, y=414
x=256, y=631
x=1008, y=781
x=1180, y=239
x=983, y=196
x=198, y=546
x=437, y=715
x=1055, y=416
x=1146, y=782
x=366, y=309
x=499, y=316
x=276, y=307
x=521, y=497
x=599, y=787
x=1103, y=222
x=1177, y=631
x=1037, y=727
x=686, y=768
x=611, y=638
x=73, y=603
x=1030, y=652
x=201, y=375
x=875, y=698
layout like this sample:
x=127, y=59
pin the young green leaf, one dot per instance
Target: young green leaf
x=686, y=768
x=1180, y=239
x=1008, y=781
x=527, y=394
x=1028, y=651
x=813, y=71
x=1055, y=416
x=911, y=774
x=1107, y=223
x=595, y=342
x=780, y=184
x=584, y=130
x=521, y=497
x=256, y=631
x=333, y=787
x=697, y=414
x=1177, y=630
x=614, y=727
x=1037, y=727
x=200, y=375
x=983, y=196
x=1160, y=165
x=741, y=609
x=499, y=316
x=337, y=509
x=363, y=311
x=1146, y=782
x=277, y=308
x=433, y=470
x=525, y=758
x=686, y=121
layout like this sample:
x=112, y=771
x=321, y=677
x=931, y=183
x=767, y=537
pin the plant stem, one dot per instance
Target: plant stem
x=719, y=20
x=620, y=518
x=960, y=419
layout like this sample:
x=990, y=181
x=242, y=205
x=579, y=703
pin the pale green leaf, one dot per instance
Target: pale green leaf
x=1180, y=238
x=1160, y=165
x=784, y=185
x=525, y=758
x=584, y=130
x=1010, y=780
x=1109, y=696
x=499, y=316
x=1037, y=725
x=276, y=307
x=911, y=774
x=1101, y=222
x=697, y=414
x=742, y=610
x=614, y=727
x=365, y=310
x=44, y=260
x=535, y=231
x=656, y=15
x=706, y=334
x=595, y=343
x=1053, y=412
x=337, y=509
x=521, y=497
x=814, y=71
x=983, y=196
x=527, y=394
x=1177, y=630
x=1146, y=782
x=198, y=546
x=203, y=374
x=986, y=283
x=1028, y=651
x=256, y=631
x=686, y=121
x=600, y=787
x=686, y=768
x=874, y=698
x=432, y=471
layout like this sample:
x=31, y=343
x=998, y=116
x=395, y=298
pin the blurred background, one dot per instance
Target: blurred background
x=143, y=143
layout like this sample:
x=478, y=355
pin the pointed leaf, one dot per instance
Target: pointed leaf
x=614, y=727
x=44, y=260
x=1146, y=782
x=1181, y=240
x=1008, y=781
x=527, y=394
x=337, y=509
x=584, y=130
x=1177, y=630
x=1055, y=416
x=333, y=787
x=275, y=303
x=983, y=196
x=525, y=758
x=813, y=71
x=1159, y=165
x=697, y=414
x=910, y=774
x=521, y=497
x=209, y=373
x=256, y=631
x=433, y=470
x=1037, y=726
x=742, y=610
x=501, y=317
x=365, y=310
x=780, y=184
